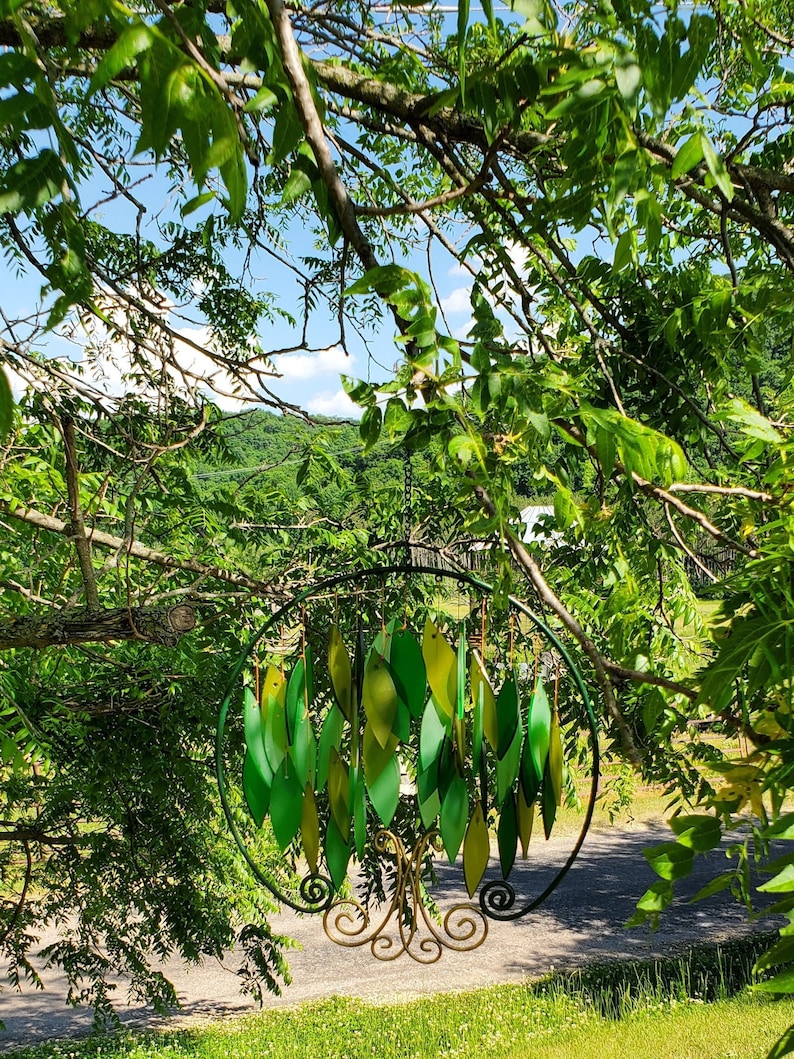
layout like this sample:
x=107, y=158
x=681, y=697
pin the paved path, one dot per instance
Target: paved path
x=581, y=922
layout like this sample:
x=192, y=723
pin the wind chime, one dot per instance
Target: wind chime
x=386, y=716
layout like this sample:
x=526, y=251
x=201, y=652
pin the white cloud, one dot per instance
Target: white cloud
x=293, y=366
x=337, y=403
x=457, y=301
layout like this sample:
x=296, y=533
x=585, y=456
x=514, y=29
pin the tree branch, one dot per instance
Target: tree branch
x=163, y=625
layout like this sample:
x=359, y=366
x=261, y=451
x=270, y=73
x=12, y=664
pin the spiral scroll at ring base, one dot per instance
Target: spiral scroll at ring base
x=406, y=926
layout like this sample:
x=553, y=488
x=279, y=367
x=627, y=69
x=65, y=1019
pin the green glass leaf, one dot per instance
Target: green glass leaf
x=507, y=835
x=337, y=854
x=454, y=817
x=256, y=790
x=480, y=685
x=427, y=782
x=304, y=749
x=382, y=644
x=507, y=716
x=549, y=802
x=384, y=792
x=477, y=728
x=447, y=767
x=339, y=792
x=308, y=684
x=295, y=702
x=331, y=735
x=460, y=679
x=525, y=818
x=254, y=734
x=286, y=804
x=275, y=732
x=429, y=810
x=359, y=814
x=408, y=672
x=340, y=668
x=310, y=828
x=538, y=727
x=507, y=767
x=401, y=728
x=379, y=699
x=431, y=736
x=273, y=685
x=555, y=759
x=476, y=850
x=440, y=663
x=530, y=780
x=376, y=757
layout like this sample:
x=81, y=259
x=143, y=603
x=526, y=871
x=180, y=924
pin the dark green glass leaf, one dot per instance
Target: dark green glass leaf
x=341, y=671
x=296, y=698
x=408, y=672
x=286, y=804
x=549, y=801
x=461, y=674
x=256, y=790
x=275, y=733
x=476, y=850
x=447, y=767
x=310, y=828
x=379, y=699
x=538, y=727
x=431, y=737
x=427, y=783
x=376, y=757
x=554, y=764
x=530, y=780
x=477, y=728
x=507, y=716
x=402, y=723
x=384, y=792
x=339, y=792
x=337, y=854
x=254, y=734
x=507, y=835
x=479, y=679
x=304, y=749
x=507, y=767
x=359, y=814
x=441, y=667
x=454, y=817
x=331, y=735
x=429, y=809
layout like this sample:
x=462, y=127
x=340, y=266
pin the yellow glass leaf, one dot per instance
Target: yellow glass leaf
x=476, y=850
x=479, y=678
x=526, y=818
x=310, y=828
x=555, y=758
x=341, y=671
x=273, y=686
x=441, y=664
x=376, y=757
x=379, y=699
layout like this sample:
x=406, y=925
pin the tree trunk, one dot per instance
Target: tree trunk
x=163, y=625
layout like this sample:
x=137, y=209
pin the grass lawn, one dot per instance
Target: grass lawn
x=695, y=1006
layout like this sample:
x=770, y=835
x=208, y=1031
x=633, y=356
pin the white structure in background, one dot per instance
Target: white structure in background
x=536, y=517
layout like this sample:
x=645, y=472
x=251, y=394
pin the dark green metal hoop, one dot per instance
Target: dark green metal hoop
x=316, y=892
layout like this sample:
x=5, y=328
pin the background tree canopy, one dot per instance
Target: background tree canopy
x=614, y=180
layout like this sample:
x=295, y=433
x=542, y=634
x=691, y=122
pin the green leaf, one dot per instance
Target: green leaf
x=525, y=817
x=295, y=703
x=384, y=791
x=310, y=828
x=275, y=732
x=716, y=167
x=781, y=983
x=655, y=899
x=554, y=764
x=370, y=426
x=379, y=699
x=122, y=55
x=476, y=850
x=454, y=817
x=481, y=686
x=31, y=182
x=340, y=670
x=339, y=792
x=688, y=156
x=431, y=737
x=408, y=672
x=783, y=1045
x=337, y=854
x=375, y=756
x=700, y=832
x=477, y=729
x=330, y=736
x=538, y=728
x=286, y=804
x=507, y=835
x=508, y=716
x=256, y=790
x=359, y=814
x=783, y=882
x=441, y=666
x=6, y=406
x=549, y=801
x=670, y=860
x=254, y=735
x=781, y=952
x=508, y=766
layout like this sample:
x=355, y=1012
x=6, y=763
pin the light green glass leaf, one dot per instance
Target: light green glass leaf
x=476, y=849
x=549, y=802
x=295, y=703
x=479, y=680
x=376, y=757
x=454, y=817
x=460, y=680
x=507, y=767
x=431, y=736
x=304, y=749
x=530, y=780
x=286, y=804
x=337, y=854
x=341, y=672
x=310, y=828
x=339, y=792
x=555, y=758
x=275, y=732
x=441, y=667
x=525, y=818
x=331, y=735
x=384, y=792
x=254, y=734
x=507, y=835
x=538, y=727
x=379, y=699
x=408, y=672
x=447, y=767
x=507, y=716
x=382, y=644
x=256, y=790
x=477, y=729
x=359, y=814
x=429, y=810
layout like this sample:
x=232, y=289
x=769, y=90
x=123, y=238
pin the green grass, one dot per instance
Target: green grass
x=694, y=1006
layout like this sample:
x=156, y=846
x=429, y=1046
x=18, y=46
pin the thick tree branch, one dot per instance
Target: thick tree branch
x=163, y=625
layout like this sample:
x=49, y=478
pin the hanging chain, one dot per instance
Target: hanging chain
x=407, y=506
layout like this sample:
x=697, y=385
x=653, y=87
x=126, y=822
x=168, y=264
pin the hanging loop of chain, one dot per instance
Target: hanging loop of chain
x=407, y=506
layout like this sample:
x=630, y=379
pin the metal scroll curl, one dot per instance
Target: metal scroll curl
x=367, y=740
